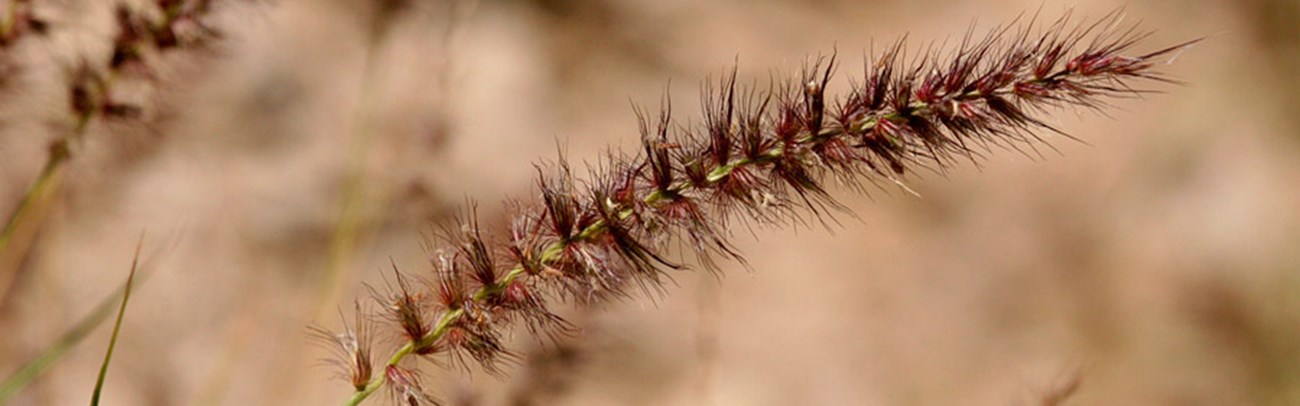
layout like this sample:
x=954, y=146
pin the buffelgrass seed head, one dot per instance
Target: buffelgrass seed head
x=353, y=351
x=474, y=338
x=407, y=309
x=760, y=157
x=405, y=388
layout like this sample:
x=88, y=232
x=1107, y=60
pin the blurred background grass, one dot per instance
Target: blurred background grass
x=1158, y=264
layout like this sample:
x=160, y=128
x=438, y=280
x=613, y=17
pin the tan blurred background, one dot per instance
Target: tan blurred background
x=1158, y=265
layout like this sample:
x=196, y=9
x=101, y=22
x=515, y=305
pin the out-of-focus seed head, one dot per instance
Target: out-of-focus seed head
x=84, y=92
x=132, y=32
x=20, y=21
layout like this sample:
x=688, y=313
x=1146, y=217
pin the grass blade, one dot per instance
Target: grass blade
x=117, y=326
x=37, y=366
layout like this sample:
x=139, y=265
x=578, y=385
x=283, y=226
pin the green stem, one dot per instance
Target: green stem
x=350, y=231
x=46, y=184
x=58, y=155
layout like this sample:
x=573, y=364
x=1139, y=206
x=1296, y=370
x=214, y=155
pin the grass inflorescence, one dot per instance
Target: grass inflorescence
x=764, y=155
x=143, y=34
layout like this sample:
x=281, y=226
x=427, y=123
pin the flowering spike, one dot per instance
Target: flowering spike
x=763, y=156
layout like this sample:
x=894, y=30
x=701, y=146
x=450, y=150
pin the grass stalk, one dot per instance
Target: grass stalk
x=36, y=367
x=117, y=326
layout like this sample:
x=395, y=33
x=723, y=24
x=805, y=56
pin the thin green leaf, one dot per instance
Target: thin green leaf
x=37, y=366
x=117, y=326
